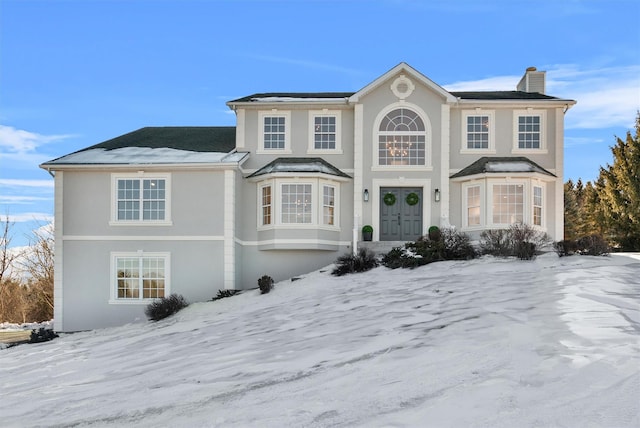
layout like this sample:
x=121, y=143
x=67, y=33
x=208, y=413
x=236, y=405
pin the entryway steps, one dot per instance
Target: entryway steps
x=380, y=247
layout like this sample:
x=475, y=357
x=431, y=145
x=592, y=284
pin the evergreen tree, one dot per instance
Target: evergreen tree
x=618, y=189
x=571, y=211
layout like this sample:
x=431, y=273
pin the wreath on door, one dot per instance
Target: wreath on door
x=389, y=199
x=412, y=198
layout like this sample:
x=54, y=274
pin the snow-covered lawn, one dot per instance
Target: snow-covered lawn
x=486, y=343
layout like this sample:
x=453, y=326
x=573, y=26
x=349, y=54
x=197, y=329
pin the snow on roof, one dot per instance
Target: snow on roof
x=299, y=165
x=145, y=155
x=292, y=99
x=509, y=167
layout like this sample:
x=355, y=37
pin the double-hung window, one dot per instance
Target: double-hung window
x=324, y=135
x=274, y=131
x=139, y=276
x=477, y=131
x=140, y=199
x=328, y=205
x=473, y=206
x=529, y=131
x=537, y=206
x=266, y=205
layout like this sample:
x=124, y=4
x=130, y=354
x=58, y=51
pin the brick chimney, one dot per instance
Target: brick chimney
x=532, y=81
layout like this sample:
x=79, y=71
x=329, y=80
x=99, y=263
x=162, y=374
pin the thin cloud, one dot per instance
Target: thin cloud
x=26, y=217
x=14, y=199
x=14, y=140
x=307, y=64
x=497, y=83
x=17, y=182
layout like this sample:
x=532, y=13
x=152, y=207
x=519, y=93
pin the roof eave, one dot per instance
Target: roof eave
x=494, y=174
x=296, y=174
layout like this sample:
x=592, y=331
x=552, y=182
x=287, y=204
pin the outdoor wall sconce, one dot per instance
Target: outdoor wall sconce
x=365, y=195
x=436, y=194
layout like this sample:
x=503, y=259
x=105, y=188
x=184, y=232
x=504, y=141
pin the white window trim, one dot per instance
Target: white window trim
x=325, y=113
x=317, y=185
x=260, y=205
x=140, y=175
x=428, y=143
x=525, y=200
x=335, y=204
x=287, y=131
x=543, y=126
x=464, y=149
x=535, y=184
x=465, y=206
x=486, y=202
x=113, y=282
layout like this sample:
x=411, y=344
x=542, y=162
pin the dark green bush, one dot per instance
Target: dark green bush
x=592, y=245
x=164, y=307
x=451, y=245
x=225, y=293
x=349, y=263
x=403, y=257
x=265, y=283
x=434, y=233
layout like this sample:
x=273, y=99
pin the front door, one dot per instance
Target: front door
x=400, y=213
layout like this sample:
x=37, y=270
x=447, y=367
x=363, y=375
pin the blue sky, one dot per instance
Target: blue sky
x=78, y=72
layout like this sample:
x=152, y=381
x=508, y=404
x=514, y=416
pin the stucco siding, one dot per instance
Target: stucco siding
x=196, y=272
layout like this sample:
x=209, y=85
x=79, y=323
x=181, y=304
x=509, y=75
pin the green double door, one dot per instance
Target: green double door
x=400, y=221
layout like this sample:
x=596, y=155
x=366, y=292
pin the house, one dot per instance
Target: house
x=192, y=210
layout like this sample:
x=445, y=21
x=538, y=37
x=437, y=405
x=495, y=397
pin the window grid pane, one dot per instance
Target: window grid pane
x=266, y=205
x=140, y=277
x=128, y=199
x=328, y=205
x=152, y=199
x=529, y=132
x=324, y=132
x=296, y=203
x=508, y=203
x=402, y=139
x=401, y=150
x=128, y=274
x=537, y=206
x=478, y=132
x=473, y=206
x=274, y=132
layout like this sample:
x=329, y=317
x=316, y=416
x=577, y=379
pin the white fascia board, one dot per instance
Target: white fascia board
x=501, y=175
x=145, y=166
x=301, y=175
x=406, y=68
x=519, y=104
x=315, y=102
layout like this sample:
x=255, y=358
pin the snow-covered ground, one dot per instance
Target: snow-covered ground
x=486, y=343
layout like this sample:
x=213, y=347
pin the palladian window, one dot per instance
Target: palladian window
x=401, y=138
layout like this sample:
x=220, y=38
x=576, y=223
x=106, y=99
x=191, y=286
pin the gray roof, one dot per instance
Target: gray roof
x=502, y=95
x=501, y=165
x=290, y=96
x=220, y=139
x=170, y=144
x=299, y=165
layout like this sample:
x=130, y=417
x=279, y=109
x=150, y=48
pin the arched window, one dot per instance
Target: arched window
x=401, y=138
